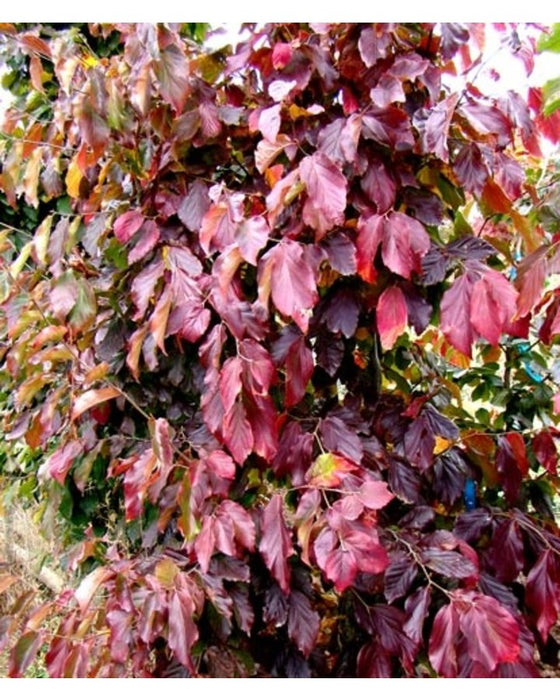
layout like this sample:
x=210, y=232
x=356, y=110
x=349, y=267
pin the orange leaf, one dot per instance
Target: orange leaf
x=495, y=198
x=73, y=179
x=92, y=398
x=326, y=470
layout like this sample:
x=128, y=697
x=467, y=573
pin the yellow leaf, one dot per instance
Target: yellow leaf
x=90, y=61
x=41, y=239
x=96, y=373
x=441, y=445
x=31, y=177
x=73, y=178
x=17, y=266
x=165, y=572
x=531, y=235
x=29, y=389
x=135, y=348
x=158, y=320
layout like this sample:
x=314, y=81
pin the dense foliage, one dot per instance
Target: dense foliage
x=278, y=335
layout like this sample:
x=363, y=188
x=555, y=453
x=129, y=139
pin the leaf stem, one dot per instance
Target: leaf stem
x=414, y=554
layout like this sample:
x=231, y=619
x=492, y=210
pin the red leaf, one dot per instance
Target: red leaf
x=122, y=638
x=276, y=606
x=222, y=464
x=491, y=631
x=352, y=547
x=339, y=565
x=281, y=55
x=251, y=237
x=493, y=305
x=339, y=140
x=241, y=522
x=143, y=287
x=267, y=152
x=370, y=235
x=303, y=622
x=294, y=453
x=375, y=494
x=326, y=193
x=391, y=315
x=275, y=544
x=285, y=273
x=379, y=185
x=230, y=382
x=403, y=239
x=441, y=649
x=543, y=592
x=242, y=608
x=172, y=72
x=205, y=543
x=507, y=551
x=456, y=315
x=210, y=125
x=89, y=586
x=510, y=469
x=519, y=451
x=219, y=224
x=436, y=128
x=545, y=451
x=194, y=206
x=127, y=225
x=59, y=463
x=293, y=351
x=269, y=122
x=183, y=631
x=373, y=45
x=404, y=245
x=488, y=119
x=389, y=126
x=237, y=433
x=531, y=277
x=374, y=662
x=258, y=370
x=263, y=418
x=149, y=235
x=93, y=127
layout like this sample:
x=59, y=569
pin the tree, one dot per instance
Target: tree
x=278, y=350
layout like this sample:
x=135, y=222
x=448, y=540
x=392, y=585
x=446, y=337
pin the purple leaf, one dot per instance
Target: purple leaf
x=303, y=622
x=398, y=577
x=338, y=437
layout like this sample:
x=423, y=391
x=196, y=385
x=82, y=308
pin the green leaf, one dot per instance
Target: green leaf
x=24, y=653
x=85, y=309
x=550, y=42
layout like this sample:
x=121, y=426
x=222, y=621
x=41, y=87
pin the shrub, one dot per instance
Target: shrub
x=278, y=353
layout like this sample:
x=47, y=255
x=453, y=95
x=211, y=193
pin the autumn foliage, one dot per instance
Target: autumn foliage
x=278, y=331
